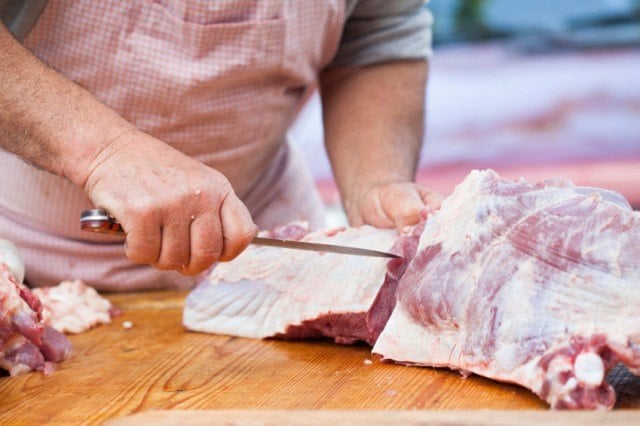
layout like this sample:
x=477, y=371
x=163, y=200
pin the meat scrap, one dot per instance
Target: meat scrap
x=534, y=284
x=26, y=343
x=32, y=321
x=73, y=307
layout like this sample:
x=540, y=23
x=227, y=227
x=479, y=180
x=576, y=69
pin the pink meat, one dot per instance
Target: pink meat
x=532, y=284
x=26, y=344
x=293, y=294
x=293, y=231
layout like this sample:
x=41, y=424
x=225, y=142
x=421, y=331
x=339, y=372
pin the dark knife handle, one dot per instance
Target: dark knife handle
x=100, y=221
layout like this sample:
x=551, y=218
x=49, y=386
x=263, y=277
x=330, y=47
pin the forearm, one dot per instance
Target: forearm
x=374, y=121
x=47, y=119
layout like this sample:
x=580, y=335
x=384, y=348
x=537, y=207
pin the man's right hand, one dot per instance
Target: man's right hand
x=178, y=213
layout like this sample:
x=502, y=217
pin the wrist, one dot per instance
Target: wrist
x=92, y=150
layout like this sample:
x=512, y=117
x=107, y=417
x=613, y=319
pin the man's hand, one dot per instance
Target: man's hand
x=178, y=213
x=391, y=205
x=374, y=120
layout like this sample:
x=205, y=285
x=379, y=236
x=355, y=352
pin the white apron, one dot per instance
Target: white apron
x=219, y=80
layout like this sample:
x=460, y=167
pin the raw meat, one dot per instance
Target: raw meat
x=532, y=284
x=271, y=292
x=10, y=256
x=73, y=307
x=26, y=343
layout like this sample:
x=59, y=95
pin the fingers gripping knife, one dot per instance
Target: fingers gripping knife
x=100, y=221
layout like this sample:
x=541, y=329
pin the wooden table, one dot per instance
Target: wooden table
x=158, y=365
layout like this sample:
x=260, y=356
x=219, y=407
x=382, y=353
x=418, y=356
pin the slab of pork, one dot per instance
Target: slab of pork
x=274, y=292
x=535, y=284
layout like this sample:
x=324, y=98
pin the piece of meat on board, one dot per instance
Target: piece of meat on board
x=275, y=292
x=26, y=343
x=535, y=284
x=73, y=307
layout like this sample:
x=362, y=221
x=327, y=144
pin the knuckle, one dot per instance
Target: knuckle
x=138, y=214
x=169, y=262
x=212, y=183
x=135, y=256
x=172, y=260
x=192, y=271
x=242, y=238
x=206, y=255
x=232, y=250
x=180, y=259
x=138, y=254
x=205, y=258
x=200, y=264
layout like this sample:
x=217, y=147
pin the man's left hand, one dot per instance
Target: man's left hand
x=398, y=204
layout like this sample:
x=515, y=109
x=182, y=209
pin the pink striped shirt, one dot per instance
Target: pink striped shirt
x=219, y=80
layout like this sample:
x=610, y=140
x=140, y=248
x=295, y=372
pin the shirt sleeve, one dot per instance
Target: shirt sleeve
x=381, y=30
x=21, y=15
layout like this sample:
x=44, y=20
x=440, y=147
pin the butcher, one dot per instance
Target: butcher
x=173, y=116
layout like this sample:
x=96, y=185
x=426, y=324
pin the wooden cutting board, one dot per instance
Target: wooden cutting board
x=378, y=417
x=157, y=365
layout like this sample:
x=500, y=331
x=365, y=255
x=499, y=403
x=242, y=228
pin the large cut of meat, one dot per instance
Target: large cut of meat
x=26, y=343
x=535, y=284
x=272, y=292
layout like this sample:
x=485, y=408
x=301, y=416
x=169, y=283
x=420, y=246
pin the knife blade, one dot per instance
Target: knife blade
x=320, y=247
x=100, y=221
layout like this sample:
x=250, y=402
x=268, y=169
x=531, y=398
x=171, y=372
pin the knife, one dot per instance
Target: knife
x=100, y=221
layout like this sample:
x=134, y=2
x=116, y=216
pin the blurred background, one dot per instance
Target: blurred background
x=530, y=88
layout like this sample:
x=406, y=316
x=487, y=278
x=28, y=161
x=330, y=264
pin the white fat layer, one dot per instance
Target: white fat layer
x=9, y=294
x=10, y=256
x=590, y=288
x=267, y=289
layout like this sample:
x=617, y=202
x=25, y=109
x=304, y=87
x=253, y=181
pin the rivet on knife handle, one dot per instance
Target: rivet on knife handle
x=98, y=220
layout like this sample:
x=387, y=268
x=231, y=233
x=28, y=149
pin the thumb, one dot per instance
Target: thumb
x=431, y=199
x=238, y=228
x=403, y=206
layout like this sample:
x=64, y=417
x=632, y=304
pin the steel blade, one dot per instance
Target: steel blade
x=319, y=247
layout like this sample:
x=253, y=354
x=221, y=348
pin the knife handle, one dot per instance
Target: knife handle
x=100, y=221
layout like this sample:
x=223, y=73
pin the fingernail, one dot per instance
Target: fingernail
x=193, y=217
x=406, y=229
x=198, y=192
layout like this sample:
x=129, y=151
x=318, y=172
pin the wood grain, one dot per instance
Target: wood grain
x=379, y=417
x=157, y=365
